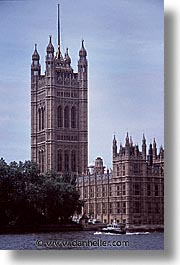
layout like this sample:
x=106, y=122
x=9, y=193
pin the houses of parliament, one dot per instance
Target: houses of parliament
x=133, y=191
x=59, y=111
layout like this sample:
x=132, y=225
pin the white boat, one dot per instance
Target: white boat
x=114, y=228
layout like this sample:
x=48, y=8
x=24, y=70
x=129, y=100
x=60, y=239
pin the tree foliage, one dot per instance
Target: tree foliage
x=28, y=197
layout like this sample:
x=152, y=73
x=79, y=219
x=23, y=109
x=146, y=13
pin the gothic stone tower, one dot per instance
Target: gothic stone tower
x=59, y=111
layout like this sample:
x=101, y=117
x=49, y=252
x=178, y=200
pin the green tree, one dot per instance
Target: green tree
x=28, y=197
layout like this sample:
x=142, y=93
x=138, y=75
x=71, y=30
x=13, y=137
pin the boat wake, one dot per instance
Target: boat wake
x=98, y=233
x=105, y=233
x=137, y=233
x=129, y=234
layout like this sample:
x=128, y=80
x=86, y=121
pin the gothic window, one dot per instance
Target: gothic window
x=136, y=207
x=73, y=161
x=118, y=190
x=118, y=207
x=66, y=161
x=148, y=190
x=149, y=209
x=136, y=189
x=41, y=161
x=110, y=191
x=124, y=189
x=40, y=119
x=73, y=117
x=124, y=207
x=103, y=191
x=110, y=207
x=59, y=117
x=104, y=210
x=66, y=117
x=42, y=114
x=156, y=190
x=118, y=170
x=123, y=169
x=59, y=160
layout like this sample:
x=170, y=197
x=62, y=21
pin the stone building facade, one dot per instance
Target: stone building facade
x=59, y=111
x=133, y=192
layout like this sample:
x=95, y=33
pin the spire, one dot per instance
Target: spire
x=150, y=155
x=127, y=147
x=58, y=53
x=114, y=139
x=144, y=147
x=127, y=139
x=114, y=146
x=154, y=150
x=154, y=143
x=131, y=141
x=58, y=26
x=143, y=139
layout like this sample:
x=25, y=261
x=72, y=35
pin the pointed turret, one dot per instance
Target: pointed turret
x=154, y=150
x=161, y=153
x=127, y=147
x=150, y=155
x=82, y=63
x=136, y=150
x=144, y=147
x=35, y=55
x=127, y=139
x=114, y=146
x=67, y=59
x=121, y=149
x=82, y=52
x=49, y=57
x=50, y=47
x=131, y=141
x=35, y=66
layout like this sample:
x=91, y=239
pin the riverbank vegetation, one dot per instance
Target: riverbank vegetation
x=28, y=197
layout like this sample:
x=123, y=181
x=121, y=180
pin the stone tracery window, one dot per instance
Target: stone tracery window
x=66, y=161
x=73, y=161
x=59, y=117
x=41, y=119
x=66, y=117
x=59, y=160
x=73, y=117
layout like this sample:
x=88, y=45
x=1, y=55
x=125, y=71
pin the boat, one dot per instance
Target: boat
x=114, y=228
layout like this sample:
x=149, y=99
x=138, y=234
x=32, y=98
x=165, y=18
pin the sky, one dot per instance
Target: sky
x=124, y=40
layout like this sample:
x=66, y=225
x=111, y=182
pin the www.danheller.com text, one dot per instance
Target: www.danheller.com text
x=80, y=243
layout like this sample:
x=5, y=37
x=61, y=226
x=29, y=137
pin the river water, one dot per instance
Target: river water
x=83, y=240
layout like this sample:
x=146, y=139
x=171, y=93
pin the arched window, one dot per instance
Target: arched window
x=66, y=117
x=66, y=161
x=73, y=161
x=73, y=117
x=41, y=160
x=59, y=117
x=40, y=119
x=42, y=116
x=59, y=160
